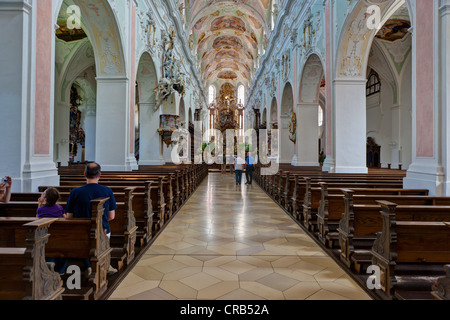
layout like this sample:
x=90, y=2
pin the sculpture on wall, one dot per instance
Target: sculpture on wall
x=293, y=128
x=168, y=54
x=173, y=79
x=76, y=133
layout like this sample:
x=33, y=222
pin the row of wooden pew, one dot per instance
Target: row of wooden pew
x=146, y=201
x=367, y=220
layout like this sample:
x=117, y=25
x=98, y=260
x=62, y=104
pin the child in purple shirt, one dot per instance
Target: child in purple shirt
x=49, y=209
x=47, y=205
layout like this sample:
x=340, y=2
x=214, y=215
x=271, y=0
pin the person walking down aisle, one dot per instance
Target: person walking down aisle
x=249, y=162
x=238, y=167
x=5, y=189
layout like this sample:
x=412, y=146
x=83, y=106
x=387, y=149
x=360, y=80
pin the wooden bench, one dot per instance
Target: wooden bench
x=123, y=227
x=361, y=222
x=306, y=206
x=410, y=254
x=332, y=206
x=139, y=184
x=24, y=274
x=74, y=238
x=147, y=212
x=441, y=288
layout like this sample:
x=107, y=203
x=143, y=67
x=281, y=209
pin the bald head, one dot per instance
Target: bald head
x=93, y=170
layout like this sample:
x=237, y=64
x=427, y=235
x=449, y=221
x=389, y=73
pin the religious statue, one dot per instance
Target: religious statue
x=191, y=42
x=168, y=54
x=173, y=79
x=162, y=91
x=293, y=127
x=181, y=10
x=150, y=30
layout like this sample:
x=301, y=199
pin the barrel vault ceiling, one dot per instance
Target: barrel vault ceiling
x=226, y=37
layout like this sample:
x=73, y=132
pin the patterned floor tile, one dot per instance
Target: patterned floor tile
x=235, y=243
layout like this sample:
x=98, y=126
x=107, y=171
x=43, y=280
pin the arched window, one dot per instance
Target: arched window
x=211, y=94
x=274, y=13
x=241, y=95
x=373, y=84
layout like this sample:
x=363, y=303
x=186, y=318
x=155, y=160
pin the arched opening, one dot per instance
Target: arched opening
x=89, y=57
x=274, y=14
x=147, y=139
x=211, y=94
x=182, y=112
x=264, y=119
x=389, y=94
x=374, y=67
x=241, y=95
x=273, y=144
x=190, y=117
x=310, y=112
x=75, y=92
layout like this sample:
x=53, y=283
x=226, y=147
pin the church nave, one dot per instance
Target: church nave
x=235, y=243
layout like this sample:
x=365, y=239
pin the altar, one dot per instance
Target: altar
x=227, y=114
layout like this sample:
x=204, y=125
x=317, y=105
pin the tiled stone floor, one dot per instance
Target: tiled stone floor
x=235, y=243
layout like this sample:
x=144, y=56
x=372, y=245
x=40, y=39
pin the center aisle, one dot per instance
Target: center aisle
x=235, y=243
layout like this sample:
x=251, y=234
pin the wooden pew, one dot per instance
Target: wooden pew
x=148, y=206
x=332, y=206
x=77, y=238
x=123, y=230
x=410, y=254
x=441, y=288
x=306, y=206
x=139, y=184
x=312, y=195
x=361, y=222
x=193, y=174
x=123, y=227
x=24, y=274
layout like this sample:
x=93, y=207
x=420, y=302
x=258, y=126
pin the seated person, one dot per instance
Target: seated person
x=49, y=209
x=47, y=205
x=79, y=201
x=5, y=189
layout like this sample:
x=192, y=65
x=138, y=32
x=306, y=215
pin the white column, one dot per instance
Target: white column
x=287, y=147
x=395, y=138
x=90, y=132
x=329, y=163
x=444, y=67
x=429, y=99
x=149, y=138
x=113, y=124
x=350, y=126
x=61, y=137
x=28, y=167
x=307, y=135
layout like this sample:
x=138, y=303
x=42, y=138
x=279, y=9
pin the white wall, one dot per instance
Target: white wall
x=379, y=121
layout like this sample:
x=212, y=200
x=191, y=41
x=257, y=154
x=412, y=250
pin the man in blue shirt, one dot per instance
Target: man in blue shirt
x=249, y=161
x=79, y=201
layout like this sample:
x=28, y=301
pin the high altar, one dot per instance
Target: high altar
x=225, y=112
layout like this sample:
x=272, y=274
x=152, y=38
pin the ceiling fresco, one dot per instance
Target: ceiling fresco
x=394, y=29
x=63, y=32
x=227, y=37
